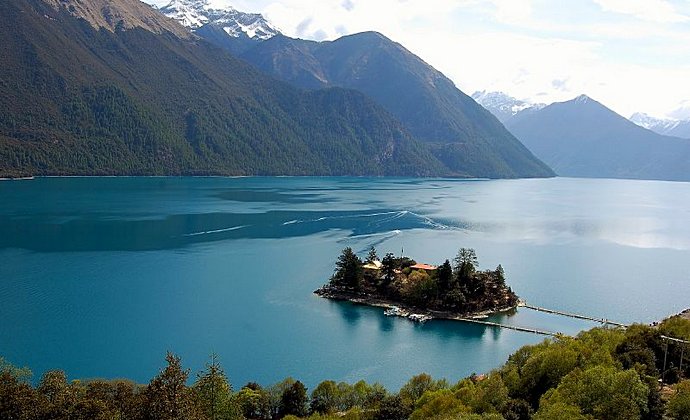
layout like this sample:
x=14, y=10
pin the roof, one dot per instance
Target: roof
x=420, y=266
x=374, y=265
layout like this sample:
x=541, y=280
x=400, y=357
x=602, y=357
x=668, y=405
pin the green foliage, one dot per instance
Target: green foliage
x=20, y=374
x=17, y=399
x=441, y=289
x=388, y=266
x=417, y=386
x=438, y=404
x=167, y=396
x=420, y=289
x=466, y=263
x=349, y=272
x=393, y=407
x=560, y=411
x=676, y=326
x=678, y=407
x=254, y=402
x=294, y=400
x=214, y=392
x=602, y=392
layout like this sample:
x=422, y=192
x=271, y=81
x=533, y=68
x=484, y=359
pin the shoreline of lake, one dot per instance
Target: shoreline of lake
x=327, y=292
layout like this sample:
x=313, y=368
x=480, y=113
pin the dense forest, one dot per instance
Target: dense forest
x=459, y=288
x=601, y=374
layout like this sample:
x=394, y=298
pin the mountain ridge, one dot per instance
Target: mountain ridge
x=668, y=127
x=584, y=138
x=462, y=134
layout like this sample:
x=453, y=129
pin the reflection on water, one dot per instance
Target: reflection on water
x=101, y=276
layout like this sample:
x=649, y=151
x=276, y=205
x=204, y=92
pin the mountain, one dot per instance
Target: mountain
x=462, y=134
x=505, y=107
x=662, y=126
x=112, y=87
x=583, y=138
x=233, y=30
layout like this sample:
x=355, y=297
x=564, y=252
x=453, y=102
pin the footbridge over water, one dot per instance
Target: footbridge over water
x=605, y=322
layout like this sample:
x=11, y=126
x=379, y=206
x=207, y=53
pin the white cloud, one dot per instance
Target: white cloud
x=652, y=10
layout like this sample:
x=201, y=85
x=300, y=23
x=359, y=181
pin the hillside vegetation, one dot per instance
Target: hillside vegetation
x=85, y=100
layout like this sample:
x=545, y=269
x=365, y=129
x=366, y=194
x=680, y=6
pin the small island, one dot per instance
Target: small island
x=420, y=291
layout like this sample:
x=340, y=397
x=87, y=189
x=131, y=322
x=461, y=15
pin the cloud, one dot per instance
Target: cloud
x=348, y=5
x=682, y=112
x=303, y=27
x=559, y=84
x=651, y=10
x=513, y=11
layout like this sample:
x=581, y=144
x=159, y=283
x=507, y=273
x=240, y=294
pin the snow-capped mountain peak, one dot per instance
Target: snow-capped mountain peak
x=582, y=99
x=195, y=14
x=503, y=106
x=665, y=126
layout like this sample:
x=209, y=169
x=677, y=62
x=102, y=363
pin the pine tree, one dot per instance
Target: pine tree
x=167, y=396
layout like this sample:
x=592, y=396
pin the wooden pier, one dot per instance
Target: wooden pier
x=603, y=321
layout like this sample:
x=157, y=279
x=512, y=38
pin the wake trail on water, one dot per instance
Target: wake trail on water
x=207, y=232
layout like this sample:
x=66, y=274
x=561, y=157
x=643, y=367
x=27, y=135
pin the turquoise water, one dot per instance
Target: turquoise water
x=100, y=276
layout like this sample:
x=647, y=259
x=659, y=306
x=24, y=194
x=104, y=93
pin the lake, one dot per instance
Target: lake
x=101, y=276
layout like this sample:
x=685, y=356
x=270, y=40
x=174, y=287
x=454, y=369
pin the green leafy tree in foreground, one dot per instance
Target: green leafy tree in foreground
x=603, y=392
x=678, y=406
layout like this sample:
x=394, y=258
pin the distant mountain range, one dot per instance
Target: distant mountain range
x=583, y=138
x=662, y=126
x=505, y=107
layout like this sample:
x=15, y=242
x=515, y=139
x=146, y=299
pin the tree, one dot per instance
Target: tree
x=57, y=395
x=167, y=396
x=465, y=263
x=325, y=398
x=214, y=391
x=417, y=386
x=294, y=401
x=254, y=402
x=388, y=266
x=393, y=408
x=372, y=256
x=445, y=277
x=349, y=271
x=602, y=392
x=438, y=404
x=500, y=275
x=678, y=406
x=17, y=399
x=420, y=289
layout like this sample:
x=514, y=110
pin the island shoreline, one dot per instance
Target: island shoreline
x=365, y=299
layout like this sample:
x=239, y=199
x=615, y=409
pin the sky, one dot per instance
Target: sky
x=631, y=55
